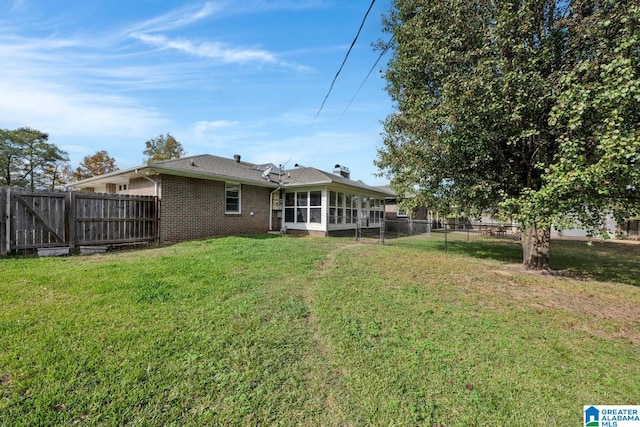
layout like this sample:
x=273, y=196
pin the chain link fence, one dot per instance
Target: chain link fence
x=632, y=229
x=456, y=230
x=449, y=231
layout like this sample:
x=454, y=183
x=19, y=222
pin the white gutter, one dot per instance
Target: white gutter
x=155, y=183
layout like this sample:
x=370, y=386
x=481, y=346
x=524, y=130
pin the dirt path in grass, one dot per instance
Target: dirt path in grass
x=326, y=375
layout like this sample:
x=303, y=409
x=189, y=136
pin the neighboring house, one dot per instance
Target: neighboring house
x=629, y=229
x=203, y=196
x=393, y=211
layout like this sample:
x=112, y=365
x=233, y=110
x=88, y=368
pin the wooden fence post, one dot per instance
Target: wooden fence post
x=10, y=218
x=156, y=223
x=8, y=221
x=4, y=220
x=70, y=202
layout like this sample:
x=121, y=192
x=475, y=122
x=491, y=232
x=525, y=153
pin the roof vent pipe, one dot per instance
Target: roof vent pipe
x=236, y=157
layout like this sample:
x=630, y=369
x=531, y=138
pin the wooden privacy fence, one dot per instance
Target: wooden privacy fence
x=32, y=220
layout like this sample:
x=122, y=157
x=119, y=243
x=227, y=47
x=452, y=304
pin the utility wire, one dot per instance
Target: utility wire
x=369, y=73
x=345, y=59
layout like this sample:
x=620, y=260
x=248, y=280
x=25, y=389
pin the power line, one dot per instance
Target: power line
x=369, y=73
x=345, y=59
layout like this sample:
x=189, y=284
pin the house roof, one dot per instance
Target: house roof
x=307, y=176
x=206, y=166
x=203, y=166
x=211, y=167
x=386, y=189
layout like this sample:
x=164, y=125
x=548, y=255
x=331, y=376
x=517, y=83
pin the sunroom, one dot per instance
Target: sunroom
x=329, y=205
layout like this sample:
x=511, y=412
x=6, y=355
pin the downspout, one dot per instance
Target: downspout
x=283, y=227
x=280, y=188
x=155, y=183
x=271, y=207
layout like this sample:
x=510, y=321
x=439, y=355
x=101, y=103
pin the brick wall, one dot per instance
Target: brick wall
x=141, y=187
x=193, y=208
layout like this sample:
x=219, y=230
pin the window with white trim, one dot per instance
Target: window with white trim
x=315, y=207
x=364, y=211
x=336, y=207
x=375, y=210
x=354, y=209
x=344, y=208
x=303, y=207
x=232, y=203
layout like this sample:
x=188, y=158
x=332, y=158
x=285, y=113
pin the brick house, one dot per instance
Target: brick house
x=204, y=196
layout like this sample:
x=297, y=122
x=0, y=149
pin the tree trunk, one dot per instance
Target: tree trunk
x=535, y=248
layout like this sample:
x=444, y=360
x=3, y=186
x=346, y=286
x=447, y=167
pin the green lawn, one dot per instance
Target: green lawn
x=326, y=332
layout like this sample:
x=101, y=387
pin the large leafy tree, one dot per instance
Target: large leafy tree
x=163, y=147
x=27, y=158
x=529, y=106
x=98, y=163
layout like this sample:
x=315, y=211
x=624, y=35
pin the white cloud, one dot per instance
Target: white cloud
x=19, y=48
x=61, y=110
x=150, y=33
x=175, y=19
x=204, y=126
x=74, y=149
x=214, y=50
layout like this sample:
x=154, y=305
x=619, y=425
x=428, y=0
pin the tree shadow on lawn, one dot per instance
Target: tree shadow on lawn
x=504, y=251
x=508, y=252
x=602, y=261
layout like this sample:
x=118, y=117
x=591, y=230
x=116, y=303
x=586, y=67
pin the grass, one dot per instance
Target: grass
x=284, y=331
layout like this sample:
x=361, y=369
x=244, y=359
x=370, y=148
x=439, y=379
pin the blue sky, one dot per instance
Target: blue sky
x=223, y=77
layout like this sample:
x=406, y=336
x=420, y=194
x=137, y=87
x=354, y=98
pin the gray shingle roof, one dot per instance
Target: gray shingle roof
x=306, y=176
x=208, y=166
x=386, y=189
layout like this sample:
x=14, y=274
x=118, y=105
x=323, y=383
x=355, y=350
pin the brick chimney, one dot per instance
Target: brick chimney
x=343, y=171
